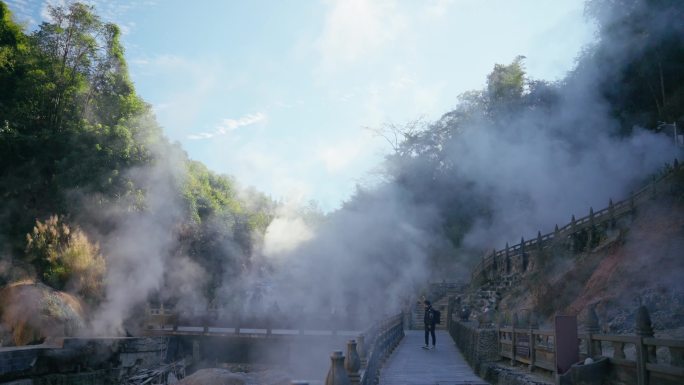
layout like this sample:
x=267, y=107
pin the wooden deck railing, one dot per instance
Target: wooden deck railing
x=612, y=212
x=639, y=359
x=365, y=355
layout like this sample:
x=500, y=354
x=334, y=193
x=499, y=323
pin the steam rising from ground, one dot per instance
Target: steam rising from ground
x=143, y=249
x=533, y=169
x=540, y=169
x=287, y=231
x=365, y=259
x=542, y=165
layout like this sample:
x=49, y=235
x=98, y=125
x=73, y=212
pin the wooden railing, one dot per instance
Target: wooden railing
x=639, y=359
x=383, y=339
x=610, y=213
x=528, y=346
x=366, y=354
x=650, y=360
x=535, y=348
x=167, y=320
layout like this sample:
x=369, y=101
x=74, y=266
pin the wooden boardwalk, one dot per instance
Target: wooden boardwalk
x=412, y=365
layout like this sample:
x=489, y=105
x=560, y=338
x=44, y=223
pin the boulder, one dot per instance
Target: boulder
x=31, y=312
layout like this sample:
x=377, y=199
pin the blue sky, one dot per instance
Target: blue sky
x=279, y=93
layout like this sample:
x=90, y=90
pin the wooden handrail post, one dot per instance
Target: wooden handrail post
x=361, y=348
x=531, y=346
x=539, y=240
x=592, y=327
x=644, y=329
x=337, y=375
x=352, y=363
x=513, y=337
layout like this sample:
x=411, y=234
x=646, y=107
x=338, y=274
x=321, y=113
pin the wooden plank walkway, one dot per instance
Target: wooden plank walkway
x=412, y=365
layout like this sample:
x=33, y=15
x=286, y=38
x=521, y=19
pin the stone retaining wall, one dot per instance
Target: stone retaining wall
x=478, y=346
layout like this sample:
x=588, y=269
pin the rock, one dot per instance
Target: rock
x=32, y=312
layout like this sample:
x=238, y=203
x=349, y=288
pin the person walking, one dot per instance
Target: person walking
x=429, y=319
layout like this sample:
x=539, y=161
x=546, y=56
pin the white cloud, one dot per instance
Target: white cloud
x=338, y=157
x=357, y=28
x=228, y=125
x=183, y=86
x=438, y=8
x=232, y=124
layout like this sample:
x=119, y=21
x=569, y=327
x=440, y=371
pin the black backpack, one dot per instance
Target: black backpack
x=434, y=315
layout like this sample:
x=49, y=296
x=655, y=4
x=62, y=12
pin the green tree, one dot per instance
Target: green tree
x=506, y=84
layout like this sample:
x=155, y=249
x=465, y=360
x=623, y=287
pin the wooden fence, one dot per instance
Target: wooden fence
x=366, y=354
x=608, y=214
x=634, y=359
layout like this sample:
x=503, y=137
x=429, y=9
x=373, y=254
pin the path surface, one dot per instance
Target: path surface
x=412, y=365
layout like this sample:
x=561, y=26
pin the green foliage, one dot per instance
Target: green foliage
x=11, y=39
x=646, y=38
x=65, y=259
x=73, y=133
x=637, y=67
x=505, y=84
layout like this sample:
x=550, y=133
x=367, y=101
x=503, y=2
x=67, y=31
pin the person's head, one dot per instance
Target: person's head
x=426, y=303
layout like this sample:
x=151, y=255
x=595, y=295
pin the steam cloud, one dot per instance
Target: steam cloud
x=368, y=258
x=143, y=250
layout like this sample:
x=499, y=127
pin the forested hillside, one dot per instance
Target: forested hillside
x=524, y=154
x=98, y=203
x=87, y=177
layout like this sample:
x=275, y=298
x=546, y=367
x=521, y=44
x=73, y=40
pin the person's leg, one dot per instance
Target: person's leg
x=432, y=330
x=427, y=330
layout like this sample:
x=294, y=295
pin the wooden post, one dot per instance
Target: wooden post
x=513, y=339
x=531, y=346
x=645, y=354
x=539, y=240
x=361, y=348
x=611, y=214
x=590, y=230
x=619, y=350
x=508, y=260
x=337, y=375
x=523, y=258
x=352, y=363
x=592, y=327
x=573, y=246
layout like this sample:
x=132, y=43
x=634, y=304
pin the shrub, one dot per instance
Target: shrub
x=65, y=259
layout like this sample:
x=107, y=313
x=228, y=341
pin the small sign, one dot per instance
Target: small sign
x=567, y=343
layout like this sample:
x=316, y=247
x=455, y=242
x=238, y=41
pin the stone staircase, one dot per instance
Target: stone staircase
x=418, y=312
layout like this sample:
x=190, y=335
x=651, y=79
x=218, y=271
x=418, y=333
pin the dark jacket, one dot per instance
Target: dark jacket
x=429, y=318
